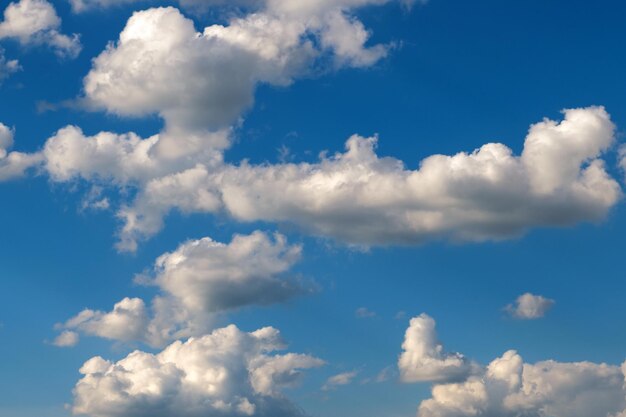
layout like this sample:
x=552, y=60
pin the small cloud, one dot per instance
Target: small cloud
x=364, y=313
x=66, y=339
x=400, y=315
x=529, y=307
x=344, y=378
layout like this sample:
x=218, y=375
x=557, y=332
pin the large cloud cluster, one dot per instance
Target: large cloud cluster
x=509, y=387
x=35, y=22
x=226, y=373
x=198, y=280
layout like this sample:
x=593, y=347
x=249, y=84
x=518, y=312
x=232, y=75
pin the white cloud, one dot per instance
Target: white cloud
x=226, y=373
x=13, y=164
x=529, y=306
x=423, y=357
x=334, y=381
x=508, y=387
x=204, y=81
x=66, y=339
x=126, y=322
x=360, y=198
x=511, y=388
x=198, y=280
x=7, y=66
x=35, y=22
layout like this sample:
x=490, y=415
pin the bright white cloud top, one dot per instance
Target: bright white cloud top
x=198, y=280
x=529, y=306
x=35, y=22
x=423, y=357
x=509, y=387
x=226, y=373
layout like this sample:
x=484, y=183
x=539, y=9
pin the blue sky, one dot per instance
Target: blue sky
x=452, y=77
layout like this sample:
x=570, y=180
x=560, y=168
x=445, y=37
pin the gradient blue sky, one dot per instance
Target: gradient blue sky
x=463, y=73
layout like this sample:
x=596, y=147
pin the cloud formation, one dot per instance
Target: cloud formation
x=35, y=22
x=198, y=280
x=509, y=387
x=7, y=66
x=14, y=164
x=204, y=81
x=344, y=378
x=529, y=306
x=226, y=373
x=360, y=198
x=423, y=357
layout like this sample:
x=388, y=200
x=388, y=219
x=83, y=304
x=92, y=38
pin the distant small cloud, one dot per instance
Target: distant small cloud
x=529, y=307
x=344, y=378
x=364, y=313
x=66, y=339
x=400, y=315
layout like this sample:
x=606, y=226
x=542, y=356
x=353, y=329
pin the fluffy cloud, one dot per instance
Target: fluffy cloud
x=508, y=387
x=204, y=81
x=529, y=306
x=511, y=388
x=198, y=280
x=13, y=164
x=360, y=198
x=226, y=373
x=423, y=357
x=35, y=22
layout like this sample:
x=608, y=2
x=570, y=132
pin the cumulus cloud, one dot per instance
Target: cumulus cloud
x=198, y=280
x=360, y=198
x=13, y=164
x=226, y=373
x=35, y=22
x=529, y=306
x=204, y=81
x=509, y=387
x=334, y=381
x=423, y=357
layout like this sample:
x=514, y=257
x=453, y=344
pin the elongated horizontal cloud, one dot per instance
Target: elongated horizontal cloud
x=198, y=280
x=223, y=374
x=35, y=22
x=360, y=198
x=529, y=306
x=335, y=381
x=508, y=387
x=423, y=357
x=356, y=197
